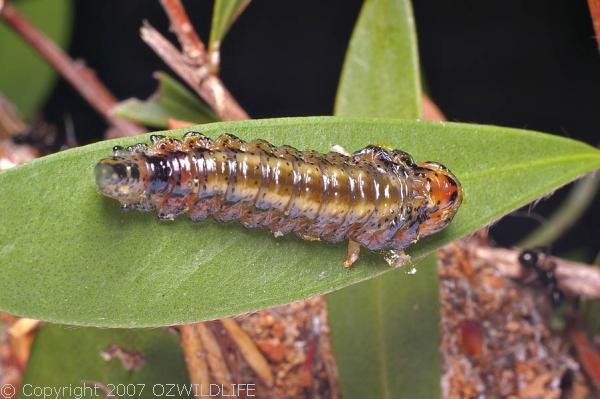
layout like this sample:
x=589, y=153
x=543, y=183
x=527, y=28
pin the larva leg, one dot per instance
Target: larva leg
x=353, y=253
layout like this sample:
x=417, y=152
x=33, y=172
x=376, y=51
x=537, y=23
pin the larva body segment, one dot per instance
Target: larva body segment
x=375, y=198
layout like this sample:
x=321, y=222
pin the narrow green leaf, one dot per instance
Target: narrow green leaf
x=385, y=348
x=172, y=100
x=63, y=356
x=68, y=254
x=573, y=207
x=380, y=76
x=225, y=12
x=25, y=78
x=399, y=358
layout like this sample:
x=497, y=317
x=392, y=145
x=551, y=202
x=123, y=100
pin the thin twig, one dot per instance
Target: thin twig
x=214, y=356
x=82, y=78
x=182, y=27
x=194, y=356
x=249, y=351
x=574, y=278
x=191, y=64
x=587, y=354
x=10, y=121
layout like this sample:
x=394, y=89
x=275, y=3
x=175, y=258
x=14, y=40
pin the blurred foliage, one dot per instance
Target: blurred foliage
x=65, y=355
x=580, y=198
x=381, y=74
x=225, y=12
x=25, y=78
x=172, y=100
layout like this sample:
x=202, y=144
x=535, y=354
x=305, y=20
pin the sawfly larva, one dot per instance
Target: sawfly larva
x=377, y=198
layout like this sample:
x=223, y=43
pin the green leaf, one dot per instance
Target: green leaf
x=25, y=78
x=400, y=358
x=225, y=12
x=384, y=347
x=172, y=100
x=63, y=356
x=68, y=254
x=580, y=198
x=380, y=76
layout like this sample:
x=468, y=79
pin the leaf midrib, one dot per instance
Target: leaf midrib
x=525, y=165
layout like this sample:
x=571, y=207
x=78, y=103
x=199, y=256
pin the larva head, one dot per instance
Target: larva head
x=443, y=195
x=120, y=177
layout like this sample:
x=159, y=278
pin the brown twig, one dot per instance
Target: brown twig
x=249, y=351
x=191, y=64
x=214, y=356
x=10, y=121
x=82, y=78
x=594, y=6
x=587, y=354
x=194, y=355
x=574, y=278
x=181, y=25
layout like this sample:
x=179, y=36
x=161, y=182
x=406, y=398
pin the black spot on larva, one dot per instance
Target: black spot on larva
x=451, y=181
x=120, y=169
x=454, y=196
x=135, y=172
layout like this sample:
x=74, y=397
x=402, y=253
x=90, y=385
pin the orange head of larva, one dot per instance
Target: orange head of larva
x=442, y=196
x=119, y=177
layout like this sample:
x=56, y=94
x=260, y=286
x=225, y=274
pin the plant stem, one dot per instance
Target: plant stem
x=82, y=78
x=576, y=279
x=190, y=64
x=190, y=42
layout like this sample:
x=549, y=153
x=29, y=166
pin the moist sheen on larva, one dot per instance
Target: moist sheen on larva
x=377, y=198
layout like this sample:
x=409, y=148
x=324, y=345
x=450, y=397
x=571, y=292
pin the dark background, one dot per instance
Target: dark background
x=526, y=64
